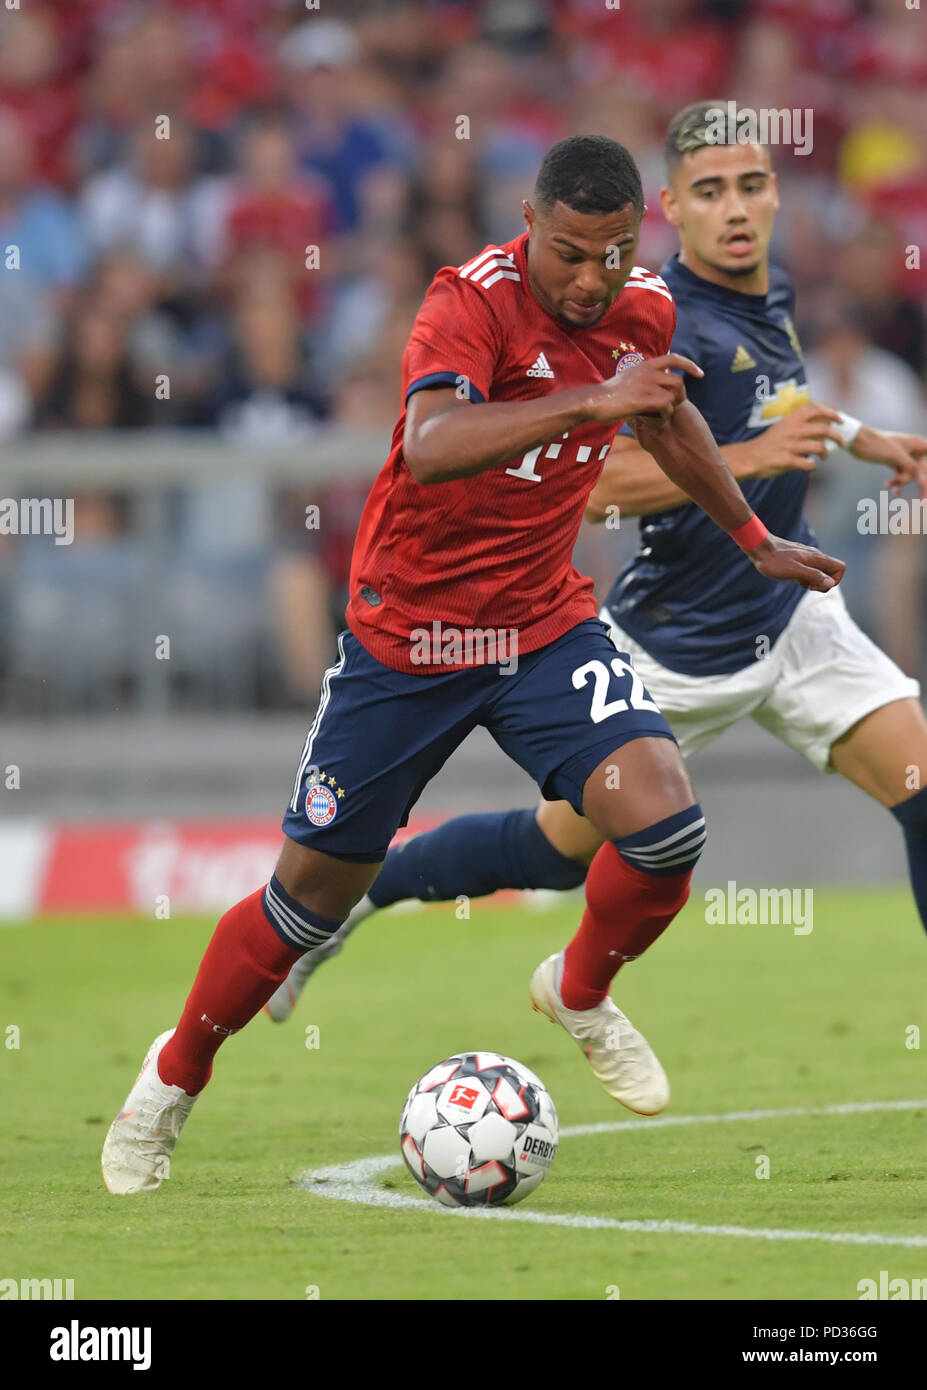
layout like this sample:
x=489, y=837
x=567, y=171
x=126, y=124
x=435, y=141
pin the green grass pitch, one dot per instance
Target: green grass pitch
x=743, y=1018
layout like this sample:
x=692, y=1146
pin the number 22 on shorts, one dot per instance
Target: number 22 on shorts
x=602, y=708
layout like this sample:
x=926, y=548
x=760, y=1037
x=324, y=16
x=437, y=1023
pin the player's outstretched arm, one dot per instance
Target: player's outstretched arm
x=684, y=447
x=449, y=437
x=905, y=454
x=634, y=482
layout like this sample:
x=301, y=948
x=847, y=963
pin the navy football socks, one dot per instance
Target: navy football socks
x=912, y=817
x=473, y=856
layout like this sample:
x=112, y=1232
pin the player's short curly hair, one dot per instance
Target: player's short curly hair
x=589, y=173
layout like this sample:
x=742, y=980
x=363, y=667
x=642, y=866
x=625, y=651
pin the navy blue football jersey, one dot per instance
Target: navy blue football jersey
x=690, y=596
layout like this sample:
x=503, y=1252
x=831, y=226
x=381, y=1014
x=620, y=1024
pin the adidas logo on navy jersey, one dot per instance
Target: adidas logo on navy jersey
x=541, y=367
x=742, y=360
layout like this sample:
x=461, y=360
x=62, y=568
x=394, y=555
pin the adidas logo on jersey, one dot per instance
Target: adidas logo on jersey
x=742, y=360
x=541, y=367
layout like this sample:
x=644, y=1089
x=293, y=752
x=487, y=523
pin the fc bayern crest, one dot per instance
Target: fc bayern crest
x=630, y=359
x=321, y=806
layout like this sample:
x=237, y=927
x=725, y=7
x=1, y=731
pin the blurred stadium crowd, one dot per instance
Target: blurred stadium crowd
x=338, y=128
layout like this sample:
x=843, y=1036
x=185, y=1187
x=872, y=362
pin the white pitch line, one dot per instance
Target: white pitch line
x=356, y=1182
x=852, y=1108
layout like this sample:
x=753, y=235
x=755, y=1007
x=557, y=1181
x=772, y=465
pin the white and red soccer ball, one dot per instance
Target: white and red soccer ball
x=478, y=1130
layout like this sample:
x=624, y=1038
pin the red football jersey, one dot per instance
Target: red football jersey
x=495, y=551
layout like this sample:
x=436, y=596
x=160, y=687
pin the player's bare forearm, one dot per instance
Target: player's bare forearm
x=684, y=448
x=906, y=454
x=448, y=438
x=634, y=482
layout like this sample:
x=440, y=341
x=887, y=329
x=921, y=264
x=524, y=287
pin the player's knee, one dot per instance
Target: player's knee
x=297, y=925
x=320, y=883
x=669, y=848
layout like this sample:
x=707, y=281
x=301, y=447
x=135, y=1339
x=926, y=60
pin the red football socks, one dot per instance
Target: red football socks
x=244, y=963
x=626, y=910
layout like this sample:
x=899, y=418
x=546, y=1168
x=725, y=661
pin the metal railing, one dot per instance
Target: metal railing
x=62, y=625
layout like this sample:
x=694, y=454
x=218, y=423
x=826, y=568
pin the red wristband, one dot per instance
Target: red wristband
x=750, y=534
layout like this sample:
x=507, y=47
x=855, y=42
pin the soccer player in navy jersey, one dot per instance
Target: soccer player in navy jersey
x=466, y=610
x=711, y=641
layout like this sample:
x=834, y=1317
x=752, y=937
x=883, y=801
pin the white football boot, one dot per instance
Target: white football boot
x=621, y=1059
x=137, y=1150
x=286, y=996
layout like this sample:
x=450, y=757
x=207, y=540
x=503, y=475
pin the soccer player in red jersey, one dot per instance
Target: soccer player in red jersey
x=687, y=612
x=466, y=610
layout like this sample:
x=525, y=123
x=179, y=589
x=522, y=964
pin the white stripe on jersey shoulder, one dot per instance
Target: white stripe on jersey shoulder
x=643, y=279
x=490, y=266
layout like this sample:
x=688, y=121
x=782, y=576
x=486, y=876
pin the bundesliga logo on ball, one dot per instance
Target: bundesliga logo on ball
x=478, y=1130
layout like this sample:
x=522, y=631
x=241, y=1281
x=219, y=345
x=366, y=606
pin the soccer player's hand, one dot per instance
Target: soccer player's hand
x=796, y=441
x=650, y=388
x=905, y=453
x=779, y=559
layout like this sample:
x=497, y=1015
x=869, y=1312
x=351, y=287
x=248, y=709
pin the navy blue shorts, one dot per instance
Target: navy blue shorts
x=379, y=735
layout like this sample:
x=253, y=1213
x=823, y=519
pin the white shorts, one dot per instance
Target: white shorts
x=821, y=677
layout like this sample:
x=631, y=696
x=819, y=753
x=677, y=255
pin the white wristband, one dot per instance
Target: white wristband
x=848, y=428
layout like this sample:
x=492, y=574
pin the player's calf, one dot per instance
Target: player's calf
x=634, y=889
x=251, y=952
x=474, y=855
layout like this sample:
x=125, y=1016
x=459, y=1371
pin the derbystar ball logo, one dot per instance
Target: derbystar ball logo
x=464, y=1096
x=538, y=1150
